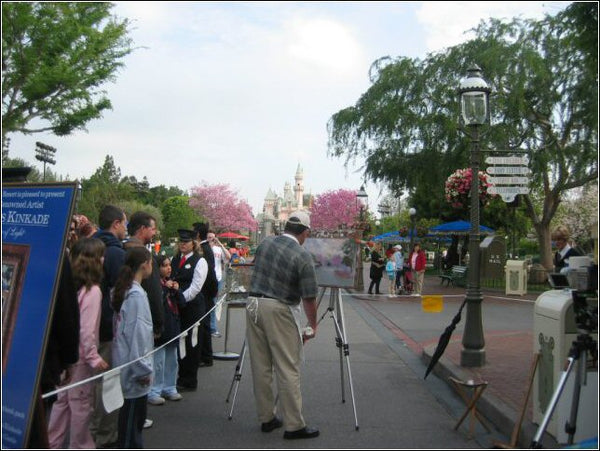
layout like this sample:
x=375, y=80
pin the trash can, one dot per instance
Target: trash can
x=516, y=277
x=554, y=331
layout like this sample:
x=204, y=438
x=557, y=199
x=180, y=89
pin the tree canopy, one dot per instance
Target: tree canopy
x=544, y=80
x=55, y=58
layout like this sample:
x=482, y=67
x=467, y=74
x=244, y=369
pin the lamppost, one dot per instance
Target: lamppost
x=362, y=201
x=474, y=99
x=413, y=227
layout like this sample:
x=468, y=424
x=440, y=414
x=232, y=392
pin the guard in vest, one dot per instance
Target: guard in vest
x=190, y=270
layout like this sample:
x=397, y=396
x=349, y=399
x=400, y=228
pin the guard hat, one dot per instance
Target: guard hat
x=186, y=235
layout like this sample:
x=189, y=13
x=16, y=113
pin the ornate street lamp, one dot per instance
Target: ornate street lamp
x=474, y=100
x=413, y=227
x=362, y=202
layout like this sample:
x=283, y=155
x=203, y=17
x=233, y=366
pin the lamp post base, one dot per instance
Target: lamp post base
x=472, y=358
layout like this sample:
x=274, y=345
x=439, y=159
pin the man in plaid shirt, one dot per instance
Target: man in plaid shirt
x=283, y=276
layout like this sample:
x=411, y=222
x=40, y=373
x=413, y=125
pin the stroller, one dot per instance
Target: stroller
x=408, y=280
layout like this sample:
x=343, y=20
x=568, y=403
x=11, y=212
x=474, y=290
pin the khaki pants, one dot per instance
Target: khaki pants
x=274, y=345
x=419, y=279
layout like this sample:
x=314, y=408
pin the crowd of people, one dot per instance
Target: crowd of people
x=128, y=302
x=405, y=276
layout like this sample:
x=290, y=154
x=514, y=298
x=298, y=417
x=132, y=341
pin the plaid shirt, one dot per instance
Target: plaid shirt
x=283, y=270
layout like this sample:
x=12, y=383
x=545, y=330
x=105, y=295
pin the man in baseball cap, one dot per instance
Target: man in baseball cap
x=283, y=278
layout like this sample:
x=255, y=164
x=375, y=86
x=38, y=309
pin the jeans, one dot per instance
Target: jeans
x=165, y=371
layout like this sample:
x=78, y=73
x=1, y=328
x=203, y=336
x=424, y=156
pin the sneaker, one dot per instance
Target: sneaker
x=148, y=423
x=156, y=401
x=216, y=334
x=173, y=397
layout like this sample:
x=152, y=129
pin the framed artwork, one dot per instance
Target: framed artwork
x=14, y=266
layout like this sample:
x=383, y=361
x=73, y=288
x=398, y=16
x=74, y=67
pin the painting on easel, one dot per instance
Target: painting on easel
x=335, y=260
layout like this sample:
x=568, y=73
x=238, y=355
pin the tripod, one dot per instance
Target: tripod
x=237, y=377
x=577, y=354
x=341, y=341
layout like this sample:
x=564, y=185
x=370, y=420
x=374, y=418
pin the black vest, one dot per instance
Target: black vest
x=185, y=274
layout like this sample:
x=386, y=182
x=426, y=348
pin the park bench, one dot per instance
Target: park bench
x=456, y=276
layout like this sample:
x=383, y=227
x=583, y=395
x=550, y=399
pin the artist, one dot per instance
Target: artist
x=283, y=275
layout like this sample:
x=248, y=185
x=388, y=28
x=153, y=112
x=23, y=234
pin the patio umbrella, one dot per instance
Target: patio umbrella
x=457, y=228
x=444, y=339
x=232, y=236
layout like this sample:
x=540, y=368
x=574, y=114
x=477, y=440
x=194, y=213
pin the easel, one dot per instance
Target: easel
x=336, y=305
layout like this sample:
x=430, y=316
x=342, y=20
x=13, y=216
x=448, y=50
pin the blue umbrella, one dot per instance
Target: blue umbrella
x=458, y=228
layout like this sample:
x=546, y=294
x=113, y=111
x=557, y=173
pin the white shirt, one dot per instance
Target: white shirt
x=218, y=252
x=200, y=273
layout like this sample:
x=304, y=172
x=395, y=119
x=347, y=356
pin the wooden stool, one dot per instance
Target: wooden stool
x=471, y=403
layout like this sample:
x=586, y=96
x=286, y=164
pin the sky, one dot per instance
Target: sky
x=241, y=92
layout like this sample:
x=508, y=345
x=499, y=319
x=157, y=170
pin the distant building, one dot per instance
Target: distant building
x=276, y=209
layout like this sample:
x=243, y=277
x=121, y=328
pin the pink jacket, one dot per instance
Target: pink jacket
x=90, y=304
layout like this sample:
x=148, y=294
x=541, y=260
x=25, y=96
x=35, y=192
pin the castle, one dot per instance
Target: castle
x=277, y=209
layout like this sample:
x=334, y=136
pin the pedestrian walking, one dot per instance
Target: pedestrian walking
x=283, y=276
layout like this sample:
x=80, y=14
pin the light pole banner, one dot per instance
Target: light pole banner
x=35, y=222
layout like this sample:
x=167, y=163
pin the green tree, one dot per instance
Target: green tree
x=177, y=214
x=543, y=76
x=55, y=58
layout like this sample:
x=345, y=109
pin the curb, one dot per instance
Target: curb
x=502, y=416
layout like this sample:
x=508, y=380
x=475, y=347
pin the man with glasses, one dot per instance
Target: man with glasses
x=561, y=258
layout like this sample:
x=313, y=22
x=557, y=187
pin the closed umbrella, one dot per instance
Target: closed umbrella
x=444, y=340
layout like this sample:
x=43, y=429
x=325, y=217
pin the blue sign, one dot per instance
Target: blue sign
x=35, y=224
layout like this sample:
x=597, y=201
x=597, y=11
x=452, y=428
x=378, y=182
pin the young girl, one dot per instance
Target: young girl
x=133, y=338
x=390, y=269
x=165, y=359
x=72, y=411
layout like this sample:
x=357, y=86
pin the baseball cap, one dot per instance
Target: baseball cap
x=397, y=246
x=299, y=217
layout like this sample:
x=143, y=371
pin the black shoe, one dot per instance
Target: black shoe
x=271, y=425
x=203, y=364
x=305, y=432
x=183, y=388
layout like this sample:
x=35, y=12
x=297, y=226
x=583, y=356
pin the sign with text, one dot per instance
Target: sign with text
x=35, y=223
x=509, y=176
x=508, y=170
x=524, y=160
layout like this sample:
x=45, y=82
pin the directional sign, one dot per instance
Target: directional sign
x=508, y=170
x=508, y=190
x=508, y=160
x=509, y=180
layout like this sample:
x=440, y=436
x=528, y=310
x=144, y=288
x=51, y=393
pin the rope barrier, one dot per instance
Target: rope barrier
x=112, y=371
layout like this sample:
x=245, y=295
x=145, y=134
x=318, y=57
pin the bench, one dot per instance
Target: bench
x=456, y=276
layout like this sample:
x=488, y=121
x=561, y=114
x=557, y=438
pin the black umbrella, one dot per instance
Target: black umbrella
x=444, y=339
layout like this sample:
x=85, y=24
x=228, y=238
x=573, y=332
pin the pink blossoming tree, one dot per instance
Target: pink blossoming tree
x=222, y=208
x=334, y=209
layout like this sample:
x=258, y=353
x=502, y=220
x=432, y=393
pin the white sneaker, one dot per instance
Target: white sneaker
x=173, y=397
x=156, y=401
x=148, y=423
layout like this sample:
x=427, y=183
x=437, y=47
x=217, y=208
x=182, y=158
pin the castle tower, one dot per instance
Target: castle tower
x=299, y=187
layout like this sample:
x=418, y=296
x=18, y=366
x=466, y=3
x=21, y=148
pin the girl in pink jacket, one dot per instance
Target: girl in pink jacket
x=73, y=409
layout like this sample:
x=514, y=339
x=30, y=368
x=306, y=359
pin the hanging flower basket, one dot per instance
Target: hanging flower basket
x=458, y=189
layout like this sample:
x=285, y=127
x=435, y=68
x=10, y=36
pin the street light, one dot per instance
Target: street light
x=413, y=228
x=45, y=153
x=474, y=100
x=362, y=202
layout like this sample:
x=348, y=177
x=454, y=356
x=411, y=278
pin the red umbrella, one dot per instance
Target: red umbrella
x=232, y=235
